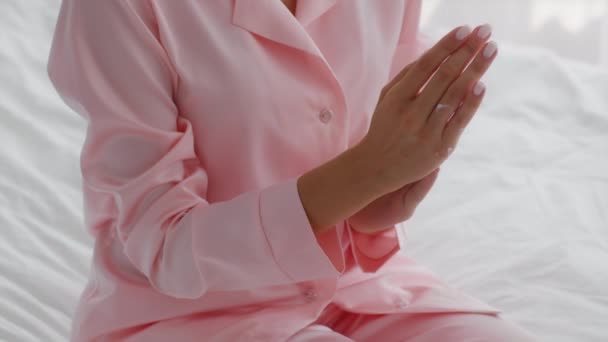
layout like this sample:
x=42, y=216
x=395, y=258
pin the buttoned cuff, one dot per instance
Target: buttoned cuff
x=291, y=237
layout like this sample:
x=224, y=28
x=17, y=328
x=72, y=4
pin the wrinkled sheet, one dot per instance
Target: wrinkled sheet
x=518, y=216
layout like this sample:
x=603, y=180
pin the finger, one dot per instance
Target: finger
x=419, y=190
x=394, y=81
x=451, y=69
x=455, y=94
x=426, y=64
x=462, y=117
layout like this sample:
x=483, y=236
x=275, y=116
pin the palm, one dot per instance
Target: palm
x=393, y=207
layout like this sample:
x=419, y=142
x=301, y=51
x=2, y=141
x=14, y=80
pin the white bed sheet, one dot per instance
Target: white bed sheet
x=517, y=217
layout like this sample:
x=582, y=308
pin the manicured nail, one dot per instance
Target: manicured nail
x=440, y=107
x=484, y=31
x=489, y=50
x=479, y=87
x=463, y=32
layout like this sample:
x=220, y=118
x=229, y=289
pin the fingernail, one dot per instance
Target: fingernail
x=484, y=31
x=479, y=87
x=463, y=32
x=440, y=107
x=489, y=50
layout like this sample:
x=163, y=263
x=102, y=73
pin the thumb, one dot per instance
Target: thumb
x=421, y=188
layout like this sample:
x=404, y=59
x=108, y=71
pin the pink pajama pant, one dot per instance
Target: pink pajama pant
x=336, y=325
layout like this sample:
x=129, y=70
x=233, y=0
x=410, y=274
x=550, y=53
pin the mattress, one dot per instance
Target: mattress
x=518, y=216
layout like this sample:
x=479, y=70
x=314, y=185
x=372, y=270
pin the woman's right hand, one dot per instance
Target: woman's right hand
x=412, y=130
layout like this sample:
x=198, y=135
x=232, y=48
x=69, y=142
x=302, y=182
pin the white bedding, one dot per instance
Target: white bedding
x=518, y=216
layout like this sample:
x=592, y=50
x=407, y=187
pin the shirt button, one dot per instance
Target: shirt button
x=310, y=294
x=325, y=115
x=400, y=303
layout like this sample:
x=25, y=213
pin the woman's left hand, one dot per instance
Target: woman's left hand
x=392, y=208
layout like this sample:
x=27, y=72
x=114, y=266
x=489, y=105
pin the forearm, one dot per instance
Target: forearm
x=337, y=189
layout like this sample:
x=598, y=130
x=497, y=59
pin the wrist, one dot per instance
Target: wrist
x=366, y=172
x=338, y=189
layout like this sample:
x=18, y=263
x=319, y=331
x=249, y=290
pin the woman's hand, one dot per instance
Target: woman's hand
x=422, y=112
x=411, y=133
x=392, y=208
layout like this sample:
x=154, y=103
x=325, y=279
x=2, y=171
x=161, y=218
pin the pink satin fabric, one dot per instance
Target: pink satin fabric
x=201, y=117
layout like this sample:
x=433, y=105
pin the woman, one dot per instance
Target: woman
x=246, y=163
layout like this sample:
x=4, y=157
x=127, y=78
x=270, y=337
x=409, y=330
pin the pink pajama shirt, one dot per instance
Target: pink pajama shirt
x=202, y=114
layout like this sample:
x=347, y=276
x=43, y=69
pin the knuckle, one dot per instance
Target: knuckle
x=444, y=51
x=416, y=139
x=457, y=64
x=448, y=70
x=445, y=151
x=428, y=133
x=453, y=97
x=425, y=63
x=475, y=70
x=463, y=83
x=409, y=126
x=383, y=91
x=458, y=119
x=478, y=65
x=409, y=114
x=460, y=123
x=440, y=155
x=470, y=48
x=403, y=107
x=456, y=97
x=450, y=150
x=442, y=76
